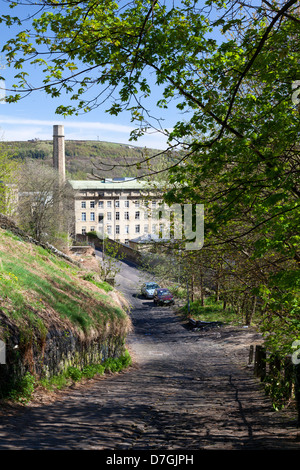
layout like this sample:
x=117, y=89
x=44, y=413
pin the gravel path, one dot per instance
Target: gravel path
x=186, y=391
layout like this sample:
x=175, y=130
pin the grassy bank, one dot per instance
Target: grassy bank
x=47, y=303
x=212, y=311
x=39, y=288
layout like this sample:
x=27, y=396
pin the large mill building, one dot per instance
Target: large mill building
x=120, y=208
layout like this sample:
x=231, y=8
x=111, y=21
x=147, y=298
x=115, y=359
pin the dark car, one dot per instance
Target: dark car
x=163, y=296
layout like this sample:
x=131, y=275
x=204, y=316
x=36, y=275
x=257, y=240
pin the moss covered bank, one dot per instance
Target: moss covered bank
x=54, y=315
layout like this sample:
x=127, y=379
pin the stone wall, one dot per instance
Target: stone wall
x=122, y=251
x=50, y=353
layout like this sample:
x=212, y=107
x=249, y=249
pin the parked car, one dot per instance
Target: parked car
x=148, y=289
x=163, y=296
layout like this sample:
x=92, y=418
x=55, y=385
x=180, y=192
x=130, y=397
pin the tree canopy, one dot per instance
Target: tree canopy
x=232, y=70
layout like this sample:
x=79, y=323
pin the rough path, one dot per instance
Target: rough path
x=186, y=391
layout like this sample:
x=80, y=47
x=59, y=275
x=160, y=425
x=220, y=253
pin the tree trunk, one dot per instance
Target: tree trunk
x=251, y=311
x=202, y=289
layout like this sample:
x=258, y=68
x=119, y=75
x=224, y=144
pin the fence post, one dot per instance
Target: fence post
x=251, y=352
x=260, y=362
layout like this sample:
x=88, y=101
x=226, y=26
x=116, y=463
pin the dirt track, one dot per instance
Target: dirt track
x=186, y=391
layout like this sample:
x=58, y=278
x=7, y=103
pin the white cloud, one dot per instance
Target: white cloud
x=15, y=128
x=71, y=124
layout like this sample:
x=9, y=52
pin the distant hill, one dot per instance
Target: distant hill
x=84, y=157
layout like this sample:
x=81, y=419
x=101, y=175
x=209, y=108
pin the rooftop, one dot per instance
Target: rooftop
x=116, y=183
x=111, y=184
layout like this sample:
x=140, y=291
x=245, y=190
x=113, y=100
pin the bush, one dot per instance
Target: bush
x=74, y=373
x=89, y=371
x=93, y=369
x=23, y=389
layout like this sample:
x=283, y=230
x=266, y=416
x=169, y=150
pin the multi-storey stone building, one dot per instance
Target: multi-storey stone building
x=122, y=208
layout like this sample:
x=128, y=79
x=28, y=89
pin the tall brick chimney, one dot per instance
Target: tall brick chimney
x=59, y=151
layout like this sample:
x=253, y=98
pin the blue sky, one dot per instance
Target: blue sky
x=34, y=116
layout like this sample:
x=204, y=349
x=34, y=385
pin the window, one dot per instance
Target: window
x=92, y=204
x=137, y=229
x=109, y=229
x=126, y=215
x=109, y=216
x=117, y=203
x=137, y=203
x=146, y=228
x=117, y=229
x=154, y=228
x=153, y=203
x=126, y=228
x=100, y=204
x=92, y=216
x=146, y=214
x=117, y=215
x=100, y=218
x=126, y=241
x=108, y=204
x=137, y=215
x=83, y=230
x=126, y=203
x=83, y=216
x=92, y=229
x=83, y=204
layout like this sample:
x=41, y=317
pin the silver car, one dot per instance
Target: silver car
x=148, y=289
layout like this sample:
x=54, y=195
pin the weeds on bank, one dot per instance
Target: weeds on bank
x=23, y=389
x=33, y=279
x=102, y=285
x=211, y=311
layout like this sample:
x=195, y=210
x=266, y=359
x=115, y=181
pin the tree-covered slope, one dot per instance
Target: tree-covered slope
x=91, y=159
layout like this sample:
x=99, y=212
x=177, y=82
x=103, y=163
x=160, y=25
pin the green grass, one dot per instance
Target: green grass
x=23, y=389
x=34, y=280
x=211, y=311
x=74, y=374
x=39, y=290
x=102, y=285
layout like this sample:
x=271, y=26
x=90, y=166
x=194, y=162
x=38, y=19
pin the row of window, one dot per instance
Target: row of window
x=93, y=204
x=137, y=216
x=137, y=229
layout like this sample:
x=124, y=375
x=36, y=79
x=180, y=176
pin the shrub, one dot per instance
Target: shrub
x=23, y=389
x=74, y=373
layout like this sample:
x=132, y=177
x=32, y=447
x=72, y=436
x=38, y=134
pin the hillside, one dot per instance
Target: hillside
x=54, y=313
x=83, y=158
x=39, y=288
